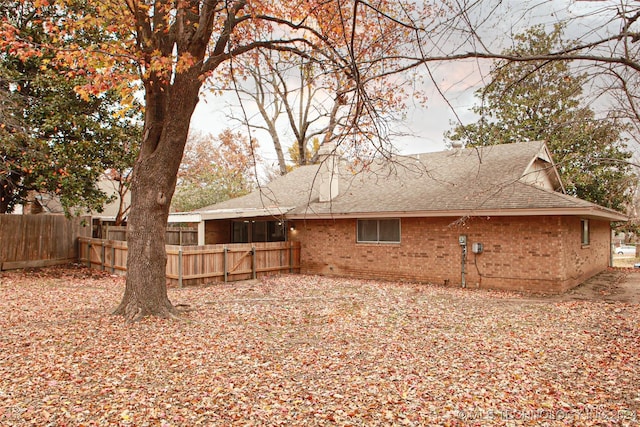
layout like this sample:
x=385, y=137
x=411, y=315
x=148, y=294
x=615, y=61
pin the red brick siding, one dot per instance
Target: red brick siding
x=541, y=254
x=582, y=262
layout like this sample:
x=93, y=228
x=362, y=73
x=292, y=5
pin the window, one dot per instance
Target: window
x=379, y=230
x=276, y=231
x=584, y=224
x=240, y=232
x=258, y=231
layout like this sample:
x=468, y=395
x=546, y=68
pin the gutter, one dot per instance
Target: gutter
x=598, y=213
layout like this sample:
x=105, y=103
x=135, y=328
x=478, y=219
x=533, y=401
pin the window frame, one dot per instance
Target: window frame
x=585, y=232
x=378, y=233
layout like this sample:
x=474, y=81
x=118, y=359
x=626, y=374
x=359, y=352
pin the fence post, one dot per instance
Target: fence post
x=180, y=265
x=224, y=263
x=89, y=254
x=290, y=257
x=253, y=262
x=113, y=258
x=102, y=255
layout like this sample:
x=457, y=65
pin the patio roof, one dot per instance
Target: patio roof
x=197, y=216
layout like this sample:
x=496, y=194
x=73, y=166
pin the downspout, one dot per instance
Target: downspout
x=462, y=241
x=611, y=247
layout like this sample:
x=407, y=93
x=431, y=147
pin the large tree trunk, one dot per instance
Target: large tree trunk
x=167, y=116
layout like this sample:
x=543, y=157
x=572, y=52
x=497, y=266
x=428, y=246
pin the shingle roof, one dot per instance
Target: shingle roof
x=294, y=189
x=473, y=181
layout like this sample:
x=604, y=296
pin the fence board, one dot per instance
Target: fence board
x=192, y=265
x=40, y=240
x=175, y=235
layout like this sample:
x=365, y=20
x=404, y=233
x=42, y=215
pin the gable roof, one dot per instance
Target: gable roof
x=498, y=180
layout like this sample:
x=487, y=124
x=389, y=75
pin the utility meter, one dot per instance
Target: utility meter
x=477, y=248
x=462, y=239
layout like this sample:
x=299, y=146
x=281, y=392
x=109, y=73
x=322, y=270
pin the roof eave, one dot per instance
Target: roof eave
x=235, y=213
x=592, y=212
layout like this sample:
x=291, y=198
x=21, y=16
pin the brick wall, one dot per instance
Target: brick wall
x=540, y=254
x=582, y=262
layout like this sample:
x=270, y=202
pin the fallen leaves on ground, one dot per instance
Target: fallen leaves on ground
x=307, y=350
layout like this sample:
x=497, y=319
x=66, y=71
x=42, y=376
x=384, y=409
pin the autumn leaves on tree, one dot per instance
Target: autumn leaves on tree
x=214, y=169
x=53, y=139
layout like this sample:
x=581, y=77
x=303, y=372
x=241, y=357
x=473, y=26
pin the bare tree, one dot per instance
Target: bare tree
x=354, y=103
x=284, y=85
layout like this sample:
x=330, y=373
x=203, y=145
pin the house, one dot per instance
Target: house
x=115, y=210
x=39, y=203
x=117, y=204
x=490, y=217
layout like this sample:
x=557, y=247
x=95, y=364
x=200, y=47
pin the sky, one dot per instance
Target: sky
x=425, y=124
x=456, y=80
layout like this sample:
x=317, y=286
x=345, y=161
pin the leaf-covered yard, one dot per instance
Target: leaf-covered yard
x=304, y=350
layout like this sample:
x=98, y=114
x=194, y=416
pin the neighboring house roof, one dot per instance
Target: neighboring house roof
x=498, y=180
x=49, y=203
x=40, y=203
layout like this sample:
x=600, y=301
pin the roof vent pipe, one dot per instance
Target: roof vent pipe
x=457, y=147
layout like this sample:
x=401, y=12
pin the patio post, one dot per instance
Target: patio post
x=180, y=265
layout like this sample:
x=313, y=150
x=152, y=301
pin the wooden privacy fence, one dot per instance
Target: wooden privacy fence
x=192, y=265
x=175, y=235
x=40, y=240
